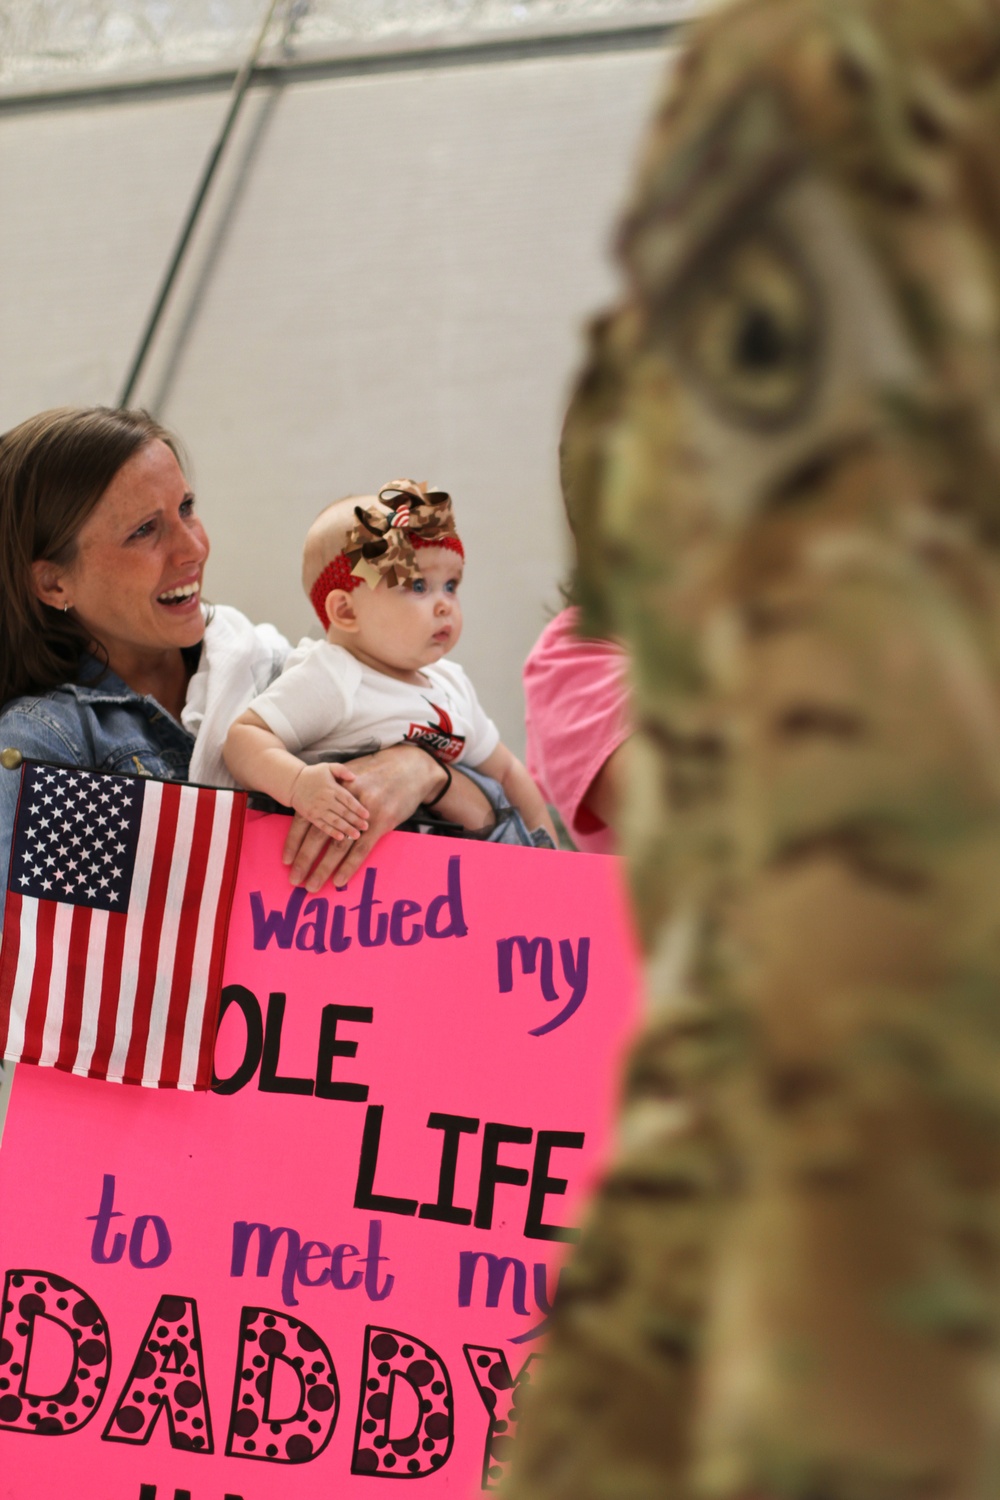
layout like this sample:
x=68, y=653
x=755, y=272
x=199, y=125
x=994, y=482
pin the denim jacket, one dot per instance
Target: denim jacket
x=97, y=724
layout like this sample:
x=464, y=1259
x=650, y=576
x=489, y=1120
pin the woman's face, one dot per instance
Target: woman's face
x=135, y=583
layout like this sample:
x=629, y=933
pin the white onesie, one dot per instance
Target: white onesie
x=327, y=705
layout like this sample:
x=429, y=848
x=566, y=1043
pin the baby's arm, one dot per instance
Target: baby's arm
x=257, y=758
x=521, y=790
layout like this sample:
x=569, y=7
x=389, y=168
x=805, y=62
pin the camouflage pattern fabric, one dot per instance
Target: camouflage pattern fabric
x=783, y=462
x=384, y=540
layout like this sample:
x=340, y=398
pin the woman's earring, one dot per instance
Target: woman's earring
x=65, y=608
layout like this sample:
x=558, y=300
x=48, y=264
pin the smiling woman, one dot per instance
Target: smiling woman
x=55, y=470
x=106, y=647
x=133, y=582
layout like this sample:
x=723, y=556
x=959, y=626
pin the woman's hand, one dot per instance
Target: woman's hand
x=391, y=784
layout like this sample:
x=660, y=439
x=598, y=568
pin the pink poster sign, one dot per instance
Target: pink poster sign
x=336, y=1268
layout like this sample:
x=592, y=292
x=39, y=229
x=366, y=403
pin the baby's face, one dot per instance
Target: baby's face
x=415, y=624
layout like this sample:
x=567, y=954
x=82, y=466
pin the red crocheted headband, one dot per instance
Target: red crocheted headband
x=338, y=574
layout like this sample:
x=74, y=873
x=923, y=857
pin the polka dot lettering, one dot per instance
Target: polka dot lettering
x=391, y=1356
x=167, y=1375
x=29, y=1295
x=303, y=1435
x=500, y=1392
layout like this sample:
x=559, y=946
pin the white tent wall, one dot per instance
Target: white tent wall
x=390, y=278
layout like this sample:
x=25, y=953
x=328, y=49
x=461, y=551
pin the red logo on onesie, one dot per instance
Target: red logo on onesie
x=440, y=737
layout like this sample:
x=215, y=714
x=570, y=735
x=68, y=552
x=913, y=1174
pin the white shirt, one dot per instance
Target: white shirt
x=238, y=660
x=326, y=704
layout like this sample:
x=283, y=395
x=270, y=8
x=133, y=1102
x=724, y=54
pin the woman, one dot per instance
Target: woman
x=579, y=730
x=102, y=626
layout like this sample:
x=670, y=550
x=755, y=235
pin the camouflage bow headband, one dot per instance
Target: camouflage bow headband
x=385, y=545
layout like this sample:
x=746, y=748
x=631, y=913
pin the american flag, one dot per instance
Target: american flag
x=118, y=903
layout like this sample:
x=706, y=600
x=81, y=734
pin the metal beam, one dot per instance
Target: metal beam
x=240, y=85
x=310, y=65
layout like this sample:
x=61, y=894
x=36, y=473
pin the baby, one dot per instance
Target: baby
x=383, y=577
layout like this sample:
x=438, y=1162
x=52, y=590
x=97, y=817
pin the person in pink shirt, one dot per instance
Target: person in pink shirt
x=575, y=687
x=577, y=720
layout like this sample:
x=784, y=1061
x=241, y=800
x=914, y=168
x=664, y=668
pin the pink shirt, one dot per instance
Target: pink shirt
x=576, y=711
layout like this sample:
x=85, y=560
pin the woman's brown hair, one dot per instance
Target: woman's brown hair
x=54, y=468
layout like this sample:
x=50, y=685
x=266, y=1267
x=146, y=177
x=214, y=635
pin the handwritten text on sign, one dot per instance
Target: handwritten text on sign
x=337, y=1267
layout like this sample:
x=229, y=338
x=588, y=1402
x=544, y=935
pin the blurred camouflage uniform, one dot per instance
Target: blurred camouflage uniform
x=784, y=461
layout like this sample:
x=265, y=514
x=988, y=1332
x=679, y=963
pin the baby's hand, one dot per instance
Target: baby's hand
x=320, y=795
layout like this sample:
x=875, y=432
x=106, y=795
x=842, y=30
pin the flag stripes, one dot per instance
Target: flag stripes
x=128, y=995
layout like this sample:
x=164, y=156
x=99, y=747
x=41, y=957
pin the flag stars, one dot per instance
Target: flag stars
x=75, y=838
